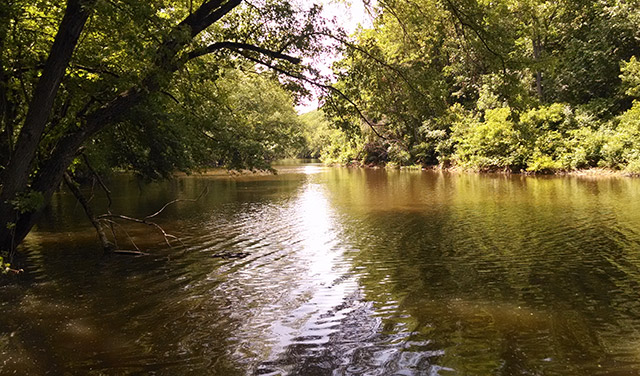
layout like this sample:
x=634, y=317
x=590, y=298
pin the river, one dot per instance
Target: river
x=337, y=271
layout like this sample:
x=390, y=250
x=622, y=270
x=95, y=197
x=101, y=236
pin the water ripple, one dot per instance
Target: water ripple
x=343, y=272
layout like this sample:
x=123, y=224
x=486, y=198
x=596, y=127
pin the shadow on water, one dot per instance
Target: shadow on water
x=330, y=271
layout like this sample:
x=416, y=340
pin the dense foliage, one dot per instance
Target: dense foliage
x=530, y=85
x=323, y=141
x=147, y=86
x=242, y=120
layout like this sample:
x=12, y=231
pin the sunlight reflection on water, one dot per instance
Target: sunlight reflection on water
x=308, y=170
x=321, y=255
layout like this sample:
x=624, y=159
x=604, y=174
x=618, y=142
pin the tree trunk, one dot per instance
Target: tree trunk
x=537, y=52
x=50, y=174
x=6, y=131
x=51, y=171
x=15, y=177
x=6, y=109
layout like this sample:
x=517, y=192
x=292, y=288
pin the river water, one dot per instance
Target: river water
x=336, y=271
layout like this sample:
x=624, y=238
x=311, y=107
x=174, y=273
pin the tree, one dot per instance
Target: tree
x=413, y=79
x=107, y=60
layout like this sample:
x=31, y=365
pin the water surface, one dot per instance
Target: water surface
x=336, y=271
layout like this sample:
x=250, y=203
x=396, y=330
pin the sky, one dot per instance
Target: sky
x=348, y=14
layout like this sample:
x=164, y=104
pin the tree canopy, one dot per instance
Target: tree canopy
x=148, y=86
x=514, y=85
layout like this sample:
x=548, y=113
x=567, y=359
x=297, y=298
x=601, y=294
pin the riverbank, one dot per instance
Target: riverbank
x=223, y=172
x=595, y=172
x=587, y=172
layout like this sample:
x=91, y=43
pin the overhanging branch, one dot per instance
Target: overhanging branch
x=320, y=85
x=204, y=192
x=239, y=47
x=379, y=61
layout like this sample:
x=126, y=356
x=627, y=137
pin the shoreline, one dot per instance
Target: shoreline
x=223, y=172
x=593, y=172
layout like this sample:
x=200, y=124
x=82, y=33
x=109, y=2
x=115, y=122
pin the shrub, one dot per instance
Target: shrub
x=555, y=117
x=583, y=148
x=622, y=149
x=375, y=153
x=494, y=143
x=340, y=148
x=398, y=154
x=432, y=149
x=631, y=76
x=542, y=163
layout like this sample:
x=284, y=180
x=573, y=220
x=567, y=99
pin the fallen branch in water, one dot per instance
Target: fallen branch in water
x=110, y=219
x=73, y=186
x=106, y=191
x=166, y=235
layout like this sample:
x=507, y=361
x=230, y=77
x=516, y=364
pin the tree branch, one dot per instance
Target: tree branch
x=320, y=85
x=141, y=221
x=99, y=179
x=176, y=201
x=15, y=177
x=73, y=187
x=114, y=223
x=237, y=46
x=459, y=15
x=110, y=218
x=379, y=61
x=50, y=174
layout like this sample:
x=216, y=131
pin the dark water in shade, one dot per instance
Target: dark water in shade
x=345, y=272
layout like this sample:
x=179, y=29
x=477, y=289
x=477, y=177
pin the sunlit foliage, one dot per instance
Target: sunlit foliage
x=515, y=85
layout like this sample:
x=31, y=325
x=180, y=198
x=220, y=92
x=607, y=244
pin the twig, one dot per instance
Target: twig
x=107, y=192
x=144, y=222
x=175, y=201
x=114, y=223
x=130, y=252
x=109, y=217
x=99, y=179
x=170, y=96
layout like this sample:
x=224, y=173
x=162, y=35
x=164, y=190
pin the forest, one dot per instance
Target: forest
x=521, y=86
x=89, y=87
